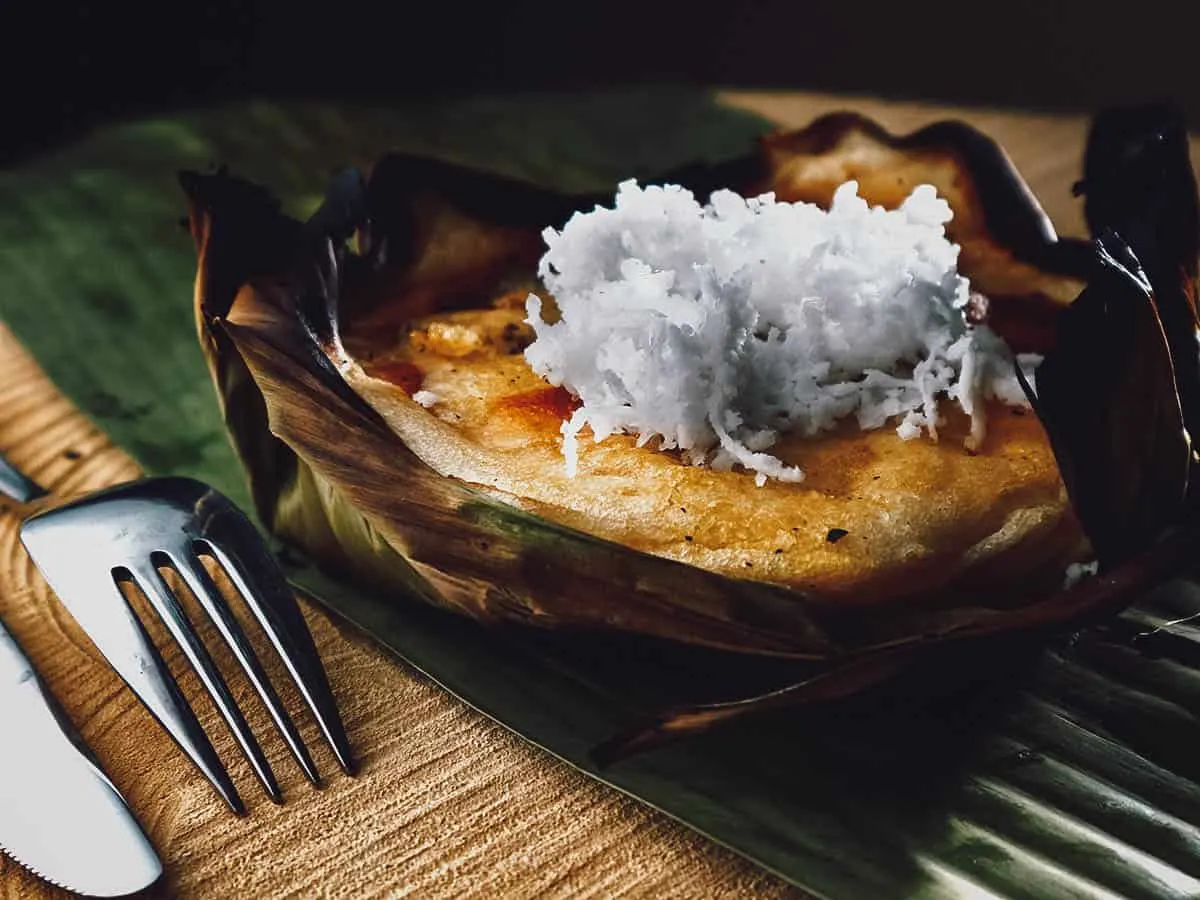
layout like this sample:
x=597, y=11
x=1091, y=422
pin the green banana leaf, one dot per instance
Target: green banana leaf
x=1046, y=771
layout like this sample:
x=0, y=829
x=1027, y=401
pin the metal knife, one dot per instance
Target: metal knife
x=60, y=816
x=15, y=485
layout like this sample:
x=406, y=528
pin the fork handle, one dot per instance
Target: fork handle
x=15, y=485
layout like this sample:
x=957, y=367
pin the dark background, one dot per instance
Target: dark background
x=65, y=67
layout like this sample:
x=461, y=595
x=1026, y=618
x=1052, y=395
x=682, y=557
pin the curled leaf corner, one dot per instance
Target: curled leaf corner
x=1119, y=393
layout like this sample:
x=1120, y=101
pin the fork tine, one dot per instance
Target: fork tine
x=157, y=591
x=206, y=592
x=267, y=593
x=142, y=668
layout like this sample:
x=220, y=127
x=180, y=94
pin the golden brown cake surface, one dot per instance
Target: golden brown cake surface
x=876, y=517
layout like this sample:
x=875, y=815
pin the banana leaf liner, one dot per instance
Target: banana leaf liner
x=330, y=476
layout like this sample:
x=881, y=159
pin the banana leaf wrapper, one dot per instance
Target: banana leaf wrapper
x=1119, y=393
x=329, y=476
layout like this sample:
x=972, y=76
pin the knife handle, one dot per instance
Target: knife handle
x=15, y=485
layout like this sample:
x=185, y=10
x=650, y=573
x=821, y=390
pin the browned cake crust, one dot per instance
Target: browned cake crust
x=877, y=517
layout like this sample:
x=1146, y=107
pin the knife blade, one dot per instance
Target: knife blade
x=60, y=816
x=15, y=485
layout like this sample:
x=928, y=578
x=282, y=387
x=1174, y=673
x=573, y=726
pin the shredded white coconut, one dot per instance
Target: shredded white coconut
x=426, y=398
x=1076, y=572
x=715, y=328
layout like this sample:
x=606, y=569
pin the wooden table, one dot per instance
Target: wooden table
x=448, y=804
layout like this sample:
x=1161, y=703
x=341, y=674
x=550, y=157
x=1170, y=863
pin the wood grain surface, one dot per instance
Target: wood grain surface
x=447, y=803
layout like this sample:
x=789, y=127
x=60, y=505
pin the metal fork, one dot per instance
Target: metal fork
x=131, y=531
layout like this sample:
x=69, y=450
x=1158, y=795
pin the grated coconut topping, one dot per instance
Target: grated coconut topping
x=713, y=329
